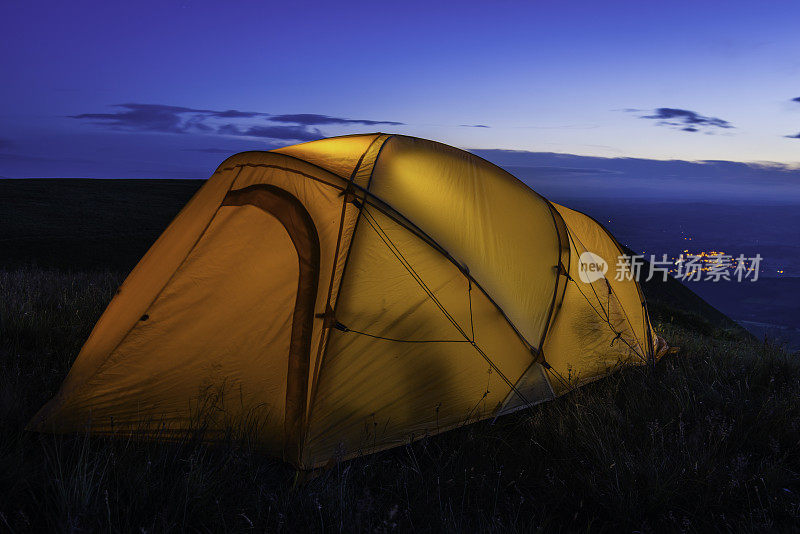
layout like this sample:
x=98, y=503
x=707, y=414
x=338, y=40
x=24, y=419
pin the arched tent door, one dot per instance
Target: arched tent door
x=300, y=227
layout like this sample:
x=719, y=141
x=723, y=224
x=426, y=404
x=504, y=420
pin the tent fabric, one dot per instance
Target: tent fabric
x=600, y=325
x=348, y=295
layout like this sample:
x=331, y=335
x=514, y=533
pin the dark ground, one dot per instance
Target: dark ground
x=707, y=441
x=86, y=224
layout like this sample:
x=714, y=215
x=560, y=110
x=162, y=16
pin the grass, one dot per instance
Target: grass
x=708, y=440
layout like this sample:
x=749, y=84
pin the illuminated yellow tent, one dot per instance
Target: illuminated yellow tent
x=352, y=294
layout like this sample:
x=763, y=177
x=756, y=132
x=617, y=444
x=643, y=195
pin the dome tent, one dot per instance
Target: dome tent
x=348, y=295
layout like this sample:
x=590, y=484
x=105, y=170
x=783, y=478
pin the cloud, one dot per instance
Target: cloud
x=236, y=114
x=474, y=125
x=162, y=118
x=290, y=132
x=796, y=99
x=555, y=171
x=311, y=119
x=182, y=120
x=686, y=120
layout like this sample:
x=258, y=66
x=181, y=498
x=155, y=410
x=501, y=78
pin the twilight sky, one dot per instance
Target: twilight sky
x=169, y=89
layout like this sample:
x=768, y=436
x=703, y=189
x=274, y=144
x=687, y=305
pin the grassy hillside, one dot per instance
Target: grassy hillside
x=708, y=440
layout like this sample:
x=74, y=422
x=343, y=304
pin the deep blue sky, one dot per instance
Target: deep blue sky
x=144, y=89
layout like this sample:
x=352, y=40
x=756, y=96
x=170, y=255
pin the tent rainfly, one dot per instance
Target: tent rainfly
x=348, y=295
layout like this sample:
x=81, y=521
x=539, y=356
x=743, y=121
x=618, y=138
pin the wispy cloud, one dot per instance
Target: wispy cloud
x=685, y=120
x=231, y=122
x=796, y=99
x=289, y=132
x=311, y=119
x=161, y=118
x=474, y=125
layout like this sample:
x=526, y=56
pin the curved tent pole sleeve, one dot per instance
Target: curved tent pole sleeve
x=562, y=267
x=300, y=227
